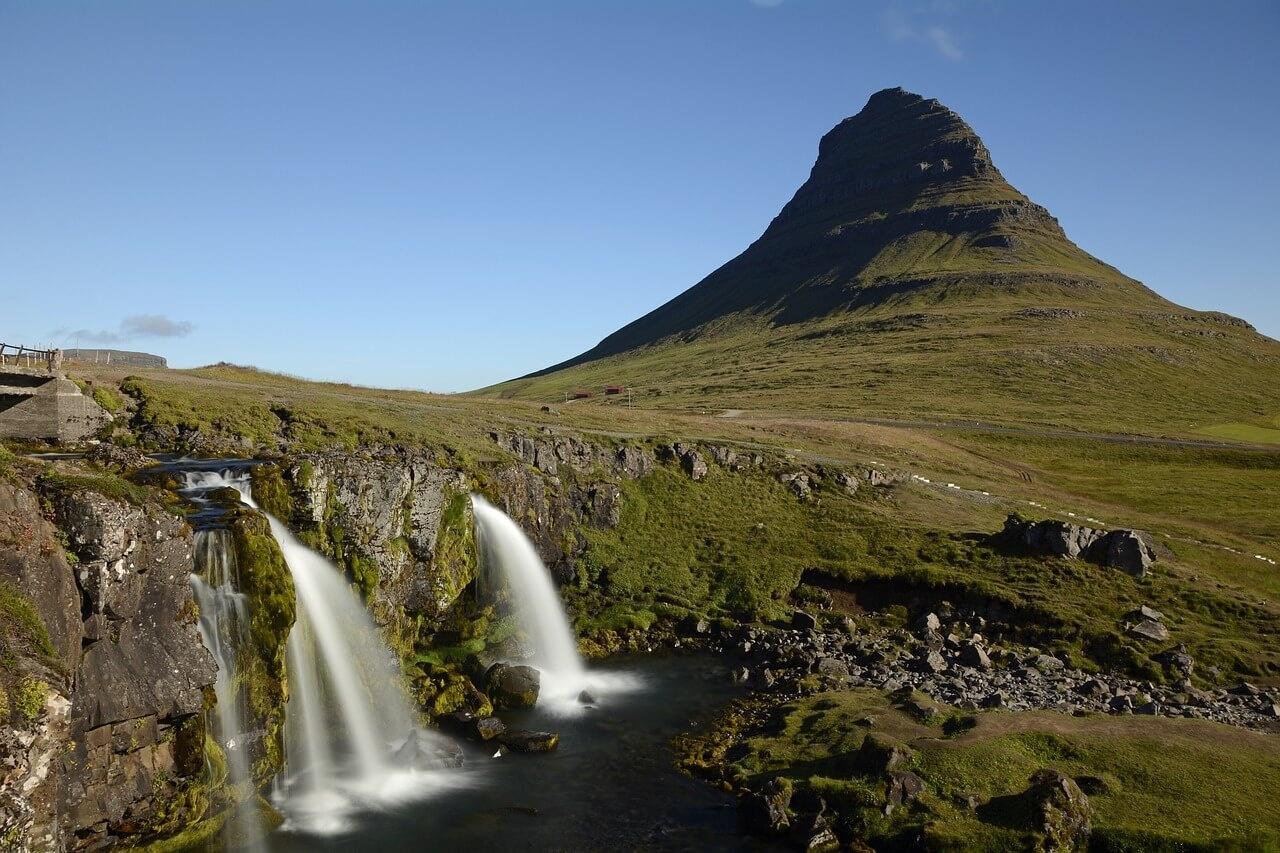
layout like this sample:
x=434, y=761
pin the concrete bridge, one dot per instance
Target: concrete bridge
x=38, y=402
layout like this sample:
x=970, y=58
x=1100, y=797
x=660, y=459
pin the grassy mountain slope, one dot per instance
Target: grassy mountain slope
x=907, y=277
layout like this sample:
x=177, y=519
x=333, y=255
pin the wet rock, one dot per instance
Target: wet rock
x=520, y=740
x=586, y=697
x=764, y=811
x=512, y=687
x=487, y=728
x=423, y=750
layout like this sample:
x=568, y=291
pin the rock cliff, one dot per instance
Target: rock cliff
x=102, y=738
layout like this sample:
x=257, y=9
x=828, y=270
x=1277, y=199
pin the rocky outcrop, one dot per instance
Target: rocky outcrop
x=1061, y=811
x=107, y=741
x=1131, y=551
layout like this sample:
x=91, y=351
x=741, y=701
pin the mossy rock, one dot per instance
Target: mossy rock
x=267, y=584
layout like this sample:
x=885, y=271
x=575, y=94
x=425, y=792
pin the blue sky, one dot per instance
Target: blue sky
x=445, y=194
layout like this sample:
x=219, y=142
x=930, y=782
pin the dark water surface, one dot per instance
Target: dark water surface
x=610, y=785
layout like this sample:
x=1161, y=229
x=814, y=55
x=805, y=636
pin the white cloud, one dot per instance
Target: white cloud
x=915, y=24
x=154, y=326
x=134, y=326
x=945, y=43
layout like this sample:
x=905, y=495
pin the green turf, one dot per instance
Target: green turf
x=1161, y=781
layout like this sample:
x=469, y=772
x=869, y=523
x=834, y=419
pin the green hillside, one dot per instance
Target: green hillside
x=908, y=278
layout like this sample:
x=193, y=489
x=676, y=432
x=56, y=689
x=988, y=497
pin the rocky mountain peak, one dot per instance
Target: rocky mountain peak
x=903, y=200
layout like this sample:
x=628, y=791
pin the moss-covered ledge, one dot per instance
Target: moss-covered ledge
x=267, y=584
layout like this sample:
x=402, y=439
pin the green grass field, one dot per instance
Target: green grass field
x=1163, y=784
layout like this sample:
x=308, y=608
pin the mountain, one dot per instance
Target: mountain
x=908, y=277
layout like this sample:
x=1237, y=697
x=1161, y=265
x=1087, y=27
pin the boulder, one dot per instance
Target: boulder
x=487, y=728
x=902, y=788
x=520, y=740
x=691, y=626
x=1149, y=629
x=799, y=484
x=764, y=811
x=1061, y=810
x=1126, y=550
x=691, y=461
x=512, y=687
x=1178, y=660
x=424, y=750
x=802, y=621
x=847, y=482
x=832, y=668
x=931, y=662
x=1145, y=612
x=1048, y=663
x=975, y=656
x=880, y=753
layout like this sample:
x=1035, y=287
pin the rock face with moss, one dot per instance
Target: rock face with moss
x=102, y=717
x=267, y=585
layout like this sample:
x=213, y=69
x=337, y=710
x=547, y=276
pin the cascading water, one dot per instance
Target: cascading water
x=224, y=627
x=351, y=740
x=509, y=554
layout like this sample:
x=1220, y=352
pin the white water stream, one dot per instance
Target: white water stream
x=507, y=553
x=352, y=743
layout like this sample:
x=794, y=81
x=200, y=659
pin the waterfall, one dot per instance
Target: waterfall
x=224, y=627
x=351, y=738
x=509, y=553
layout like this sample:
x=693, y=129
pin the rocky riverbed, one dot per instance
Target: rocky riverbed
x=949, y=663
